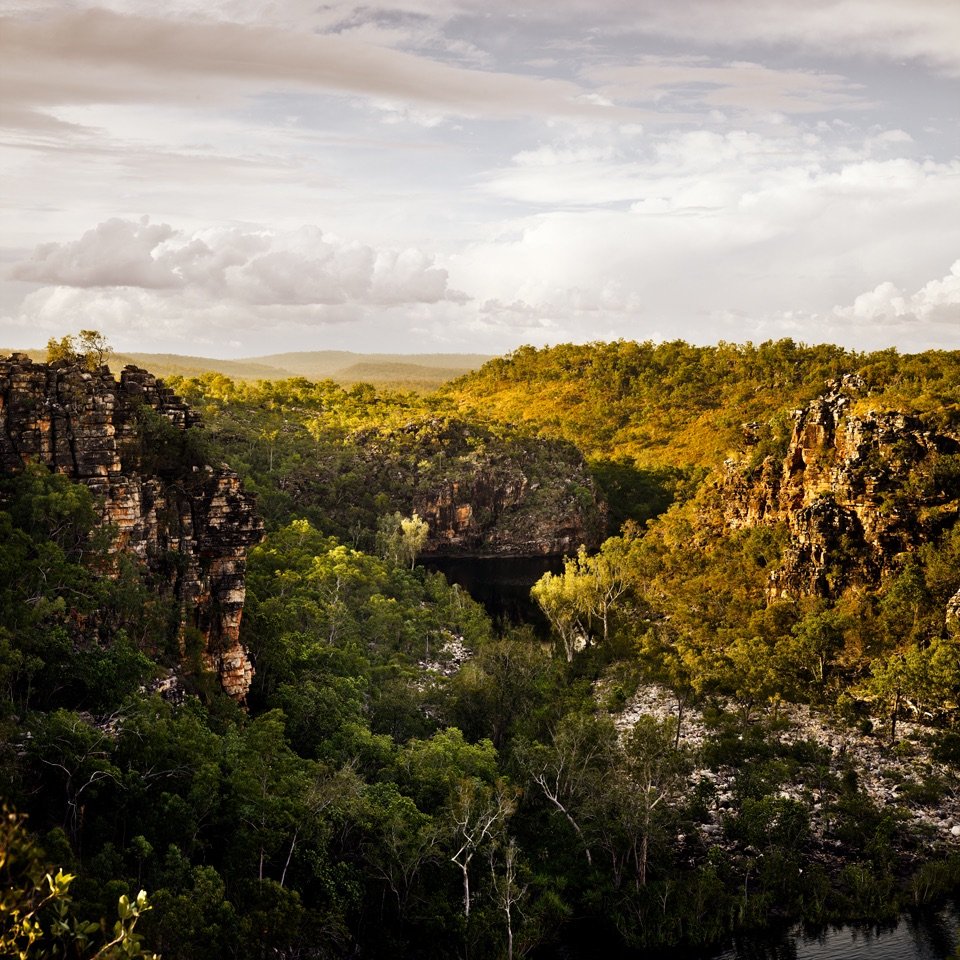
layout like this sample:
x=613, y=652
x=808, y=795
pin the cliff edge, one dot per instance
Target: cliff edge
x=137, y=447
x=855, y=490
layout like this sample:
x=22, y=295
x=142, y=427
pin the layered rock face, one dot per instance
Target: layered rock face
x=190, y=524
x=854, y=491
x=529, y=499
x=484, y=494
x=499, y=512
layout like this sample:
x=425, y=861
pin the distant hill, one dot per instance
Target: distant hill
x=419, y=371
x=325, y=363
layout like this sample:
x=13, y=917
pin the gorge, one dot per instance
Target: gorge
x=216, y=682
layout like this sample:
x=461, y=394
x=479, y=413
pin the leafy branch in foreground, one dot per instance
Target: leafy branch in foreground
x=37, y=915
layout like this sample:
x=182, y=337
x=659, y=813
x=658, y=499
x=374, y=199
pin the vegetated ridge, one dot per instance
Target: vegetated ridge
x=346, y=458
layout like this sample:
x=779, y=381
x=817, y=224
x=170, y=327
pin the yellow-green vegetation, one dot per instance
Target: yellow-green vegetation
x=669, y=404
x=653, y=419
x=38, y=918
x=88, y=348
x=407, y=778
x=344, y=458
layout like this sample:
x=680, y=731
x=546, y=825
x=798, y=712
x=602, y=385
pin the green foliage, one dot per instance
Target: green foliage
x=163, y=448
x=670, y=404
x=400, y=539
x=406, y=782
x=89, y=348
x=346, y=459
x=65, y=628
x=37, y=915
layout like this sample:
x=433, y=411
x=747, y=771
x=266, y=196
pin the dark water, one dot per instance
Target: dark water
x=502, y=585
x=931, y=935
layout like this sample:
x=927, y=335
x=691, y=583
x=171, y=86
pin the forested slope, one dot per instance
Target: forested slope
x=740, y=718
x=652, y=418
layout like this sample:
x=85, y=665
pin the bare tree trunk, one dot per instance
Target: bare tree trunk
x=466, y=888
x=644, y=851
x=553, y=797
x=293, y=843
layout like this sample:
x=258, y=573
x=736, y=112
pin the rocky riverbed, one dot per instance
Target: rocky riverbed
x=904, y=777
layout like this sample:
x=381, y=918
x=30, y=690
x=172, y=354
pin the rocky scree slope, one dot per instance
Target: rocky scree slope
x=132, y=443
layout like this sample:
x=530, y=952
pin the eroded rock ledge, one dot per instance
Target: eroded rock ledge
x=855, y=491
x=190, y=523
x=498, y=510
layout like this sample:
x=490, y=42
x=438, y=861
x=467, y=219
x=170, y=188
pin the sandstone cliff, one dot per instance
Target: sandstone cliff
x=130, y=443
x=486, y=496
x=484, y=493
x=498, y=511
x=855, y=491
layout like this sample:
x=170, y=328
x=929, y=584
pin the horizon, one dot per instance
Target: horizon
x=231, y=180
x=6, y=350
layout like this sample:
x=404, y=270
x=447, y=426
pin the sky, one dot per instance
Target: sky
x=234, y=178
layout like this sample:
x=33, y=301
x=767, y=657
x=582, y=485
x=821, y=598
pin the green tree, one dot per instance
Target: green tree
x=477, y=813
x=89, y=348
x=270, y=785
x=400, y=539
x=560, y=598
x=573, y=767
x=403, y=841
x=38, y=918
x=655, y=770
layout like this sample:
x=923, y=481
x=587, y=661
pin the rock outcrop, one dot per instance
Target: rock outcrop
x=953, y=611
x=484, y=493
x=130, y=442
x=855, y=491
x=498, y=510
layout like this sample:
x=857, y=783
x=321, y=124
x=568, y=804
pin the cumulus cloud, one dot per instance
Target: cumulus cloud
x=763, y=232
x=115, y=253
x=935, y=302
x=253, y=267
x=628, y=168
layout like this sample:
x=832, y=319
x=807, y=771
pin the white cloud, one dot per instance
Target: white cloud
x=252, y=267
x=473, y=146
x=937, y=301
x=96, y=56
x=692, y=82
x=115, y=253
x=755, y=230
x=925, y=30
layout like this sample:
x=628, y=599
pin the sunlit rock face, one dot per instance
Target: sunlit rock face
x=497, y=510
x=856, y=491
x=190, y=523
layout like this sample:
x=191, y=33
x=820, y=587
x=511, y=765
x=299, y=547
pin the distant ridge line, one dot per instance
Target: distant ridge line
x=413, y=371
